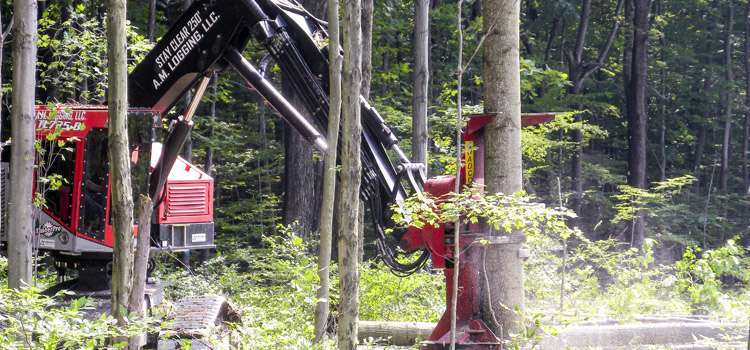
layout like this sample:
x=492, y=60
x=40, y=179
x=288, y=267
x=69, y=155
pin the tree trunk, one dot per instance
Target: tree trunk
x=367, y=14
x=3, y=36
x=351, y=176
x=21, y=228
x=329, y=176
x=579, y=69
x=746, y=124
x=209, y=163
x=302, y=172
x=119, y=158
x=728, y=97
x=137, y=305
x=503, y=170
x=421, y=82
x=140, y=261
x=637, y=112
x=152, y=20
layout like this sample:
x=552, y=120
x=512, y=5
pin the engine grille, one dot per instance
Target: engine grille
x=189, y=199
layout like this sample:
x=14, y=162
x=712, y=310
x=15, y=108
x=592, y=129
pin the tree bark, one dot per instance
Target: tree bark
x=728, y=97
x=3, y=36
x=421, y=82
x=151, y=20
x=329, y=176
x=140, y=262
x=302, y=172
x=637, y=112
x=367, y=16
x=746, y=124
x=21, y=228
x=503, y=169
x=137, y=305
x=209, y=163
x=351, y=176
x=119, y=158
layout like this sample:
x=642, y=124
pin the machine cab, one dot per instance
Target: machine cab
x=72, y=187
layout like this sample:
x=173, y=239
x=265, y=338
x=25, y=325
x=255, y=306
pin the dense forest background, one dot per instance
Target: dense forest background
x=575, y=61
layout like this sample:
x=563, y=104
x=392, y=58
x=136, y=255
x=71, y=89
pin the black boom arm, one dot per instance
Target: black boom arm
x=211, y=36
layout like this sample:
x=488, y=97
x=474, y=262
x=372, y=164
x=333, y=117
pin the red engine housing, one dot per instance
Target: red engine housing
x=72, y=162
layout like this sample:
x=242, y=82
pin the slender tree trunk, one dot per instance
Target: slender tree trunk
x=3, y=36
x=503, y=170
x=329, y=176
x=421, y=82
x=152, y=20
x=367, y=15
x=351, y=176
x=210, y=132
x=746, y=124
x=728, y=97
x=137, y=305
x=119, y=158
x=21, y=228
x=637, y=112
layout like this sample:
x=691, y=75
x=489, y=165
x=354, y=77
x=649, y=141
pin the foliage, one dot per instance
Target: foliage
x=30, y=320
x=73, y=45
x=634, y=200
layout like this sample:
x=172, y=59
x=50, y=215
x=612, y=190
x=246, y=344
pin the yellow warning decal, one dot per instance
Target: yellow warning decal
x=469, y=161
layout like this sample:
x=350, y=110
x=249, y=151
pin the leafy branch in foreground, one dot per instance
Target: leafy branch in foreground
x=507, y=213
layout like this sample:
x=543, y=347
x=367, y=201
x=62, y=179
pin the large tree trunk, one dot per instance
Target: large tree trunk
x=728, y=96
x=302, y=172
x=21, y=228
x=421, y=82
x=329, y=176
x=502, y=95
x=119, y=158
x=637, y=112
x=351, y=176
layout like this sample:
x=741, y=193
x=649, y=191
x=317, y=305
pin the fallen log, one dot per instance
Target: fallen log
x=657, y=332
x=394, y=333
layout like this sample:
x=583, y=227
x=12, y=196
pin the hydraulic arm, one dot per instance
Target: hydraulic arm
x=211, y=36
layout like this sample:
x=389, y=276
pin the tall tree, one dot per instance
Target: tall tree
x=119, y=158
x=502, y=97
x=329, y=176
x=367, y=16
x=728, y=96
x=151, y=20
x=21, y=228
x=421, y=81
x=3, y=35
x=351, y=177
x=579, y=70
x=302, y=171
x=746, y=124
x=637, y=112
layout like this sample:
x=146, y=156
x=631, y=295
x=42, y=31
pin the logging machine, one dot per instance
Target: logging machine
x=74, y=225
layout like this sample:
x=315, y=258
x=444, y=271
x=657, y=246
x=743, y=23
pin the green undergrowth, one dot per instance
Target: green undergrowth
x=273, y=288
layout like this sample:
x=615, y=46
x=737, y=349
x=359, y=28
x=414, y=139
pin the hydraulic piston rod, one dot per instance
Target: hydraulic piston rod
x=286, y=110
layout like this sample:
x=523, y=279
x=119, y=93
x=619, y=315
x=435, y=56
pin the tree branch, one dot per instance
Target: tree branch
x=583, y=29
x=7, y=30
